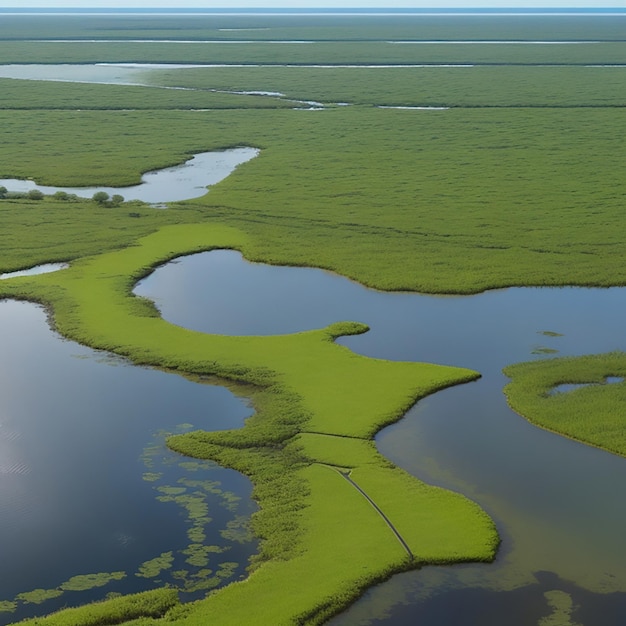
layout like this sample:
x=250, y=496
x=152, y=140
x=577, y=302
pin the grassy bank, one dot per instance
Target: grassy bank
x=592, y=413
x=524, y=189
x=311, y=518
x=435, y=201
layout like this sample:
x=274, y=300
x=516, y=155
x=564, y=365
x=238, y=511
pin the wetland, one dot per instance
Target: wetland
x=95, y=502
x=549, y=542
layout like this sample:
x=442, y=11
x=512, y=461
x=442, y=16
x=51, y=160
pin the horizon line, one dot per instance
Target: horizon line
x=317, y=8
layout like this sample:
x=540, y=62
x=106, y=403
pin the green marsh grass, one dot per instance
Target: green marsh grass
x=306, y=383
x=327, y=53
x=317, y=27
x=114, y=611
x=435, y=201
x=16, y=94
x=522, y=189
x=490, y=87
x=593, y=414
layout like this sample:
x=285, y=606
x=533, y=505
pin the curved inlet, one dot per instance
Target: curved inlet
x=182, y=182
x=45, y=268
x=554, y=500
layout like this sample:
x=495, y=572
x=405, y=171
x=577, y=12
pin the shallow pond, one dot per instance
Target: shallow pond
x=45, y=268
x=86, y=483
x=556, y=502
x=182, y=182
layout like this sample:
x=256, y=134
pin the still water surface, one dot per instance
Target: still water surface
x=74, y=494
x=182, y=182
x=83, y=461
x=558, y=504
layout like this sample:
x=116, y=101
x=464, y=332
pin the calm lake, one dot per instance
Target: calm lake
x=556, y=502
x=83, y=464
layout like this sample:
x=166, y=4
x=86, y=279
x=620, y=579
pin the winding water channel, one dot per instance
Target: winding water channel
x=181, y=182
x=556, y=502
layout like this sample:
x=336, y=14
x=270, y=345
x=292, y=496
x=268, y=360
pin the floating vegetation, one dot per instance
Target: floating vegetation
x=194, y=496
x=562, y=608
x=196, y=534
x=210, y=486
x=37, y=596
x=196, y=466
x=153, y=567
x=149, y=455
x=6, y=606
x=543, y=350
x=205, y=579
x=198, y=554
x=152, y=477
x=194, y=503
x=91, y=581
x=549, y=333
x=172, y=491
x=238, y=530
x=230, y=500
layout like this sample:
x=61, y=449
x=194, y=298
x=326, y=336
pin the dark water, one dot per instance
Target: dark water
x=83, y=460
x=558, y=504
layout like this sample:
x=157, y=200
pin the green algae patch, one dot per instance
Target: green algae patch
x=152, y=477
x=562, y=608
x=6, y=606
x=85, y=582
x=172, y=491
x=37, y=596
x=304, y=386
x=238, y=530
x=593, y=413
x=543, y=350
x=153, y=567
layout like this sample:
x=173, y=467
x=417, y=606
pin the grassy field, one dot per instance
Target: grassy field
x=593, y=413
x=36, y=95
x=332, y=53
x=435, y=201
x=519, y=183
x=317, y=27
x=479, y=86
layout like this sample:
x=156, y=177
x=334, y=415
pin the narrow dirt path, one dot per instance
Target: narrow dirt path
x=393, y=529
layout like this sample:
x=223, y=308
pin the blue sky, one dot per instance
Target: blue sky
x=207, y=4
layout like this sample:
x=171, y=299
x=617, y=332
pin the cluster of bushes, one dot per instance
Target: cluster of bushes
x=33, y=194
x=101, y=197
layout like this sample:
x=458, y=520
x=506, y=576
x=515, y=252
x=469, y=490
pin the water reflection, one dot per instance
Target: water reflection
x=83, y=460
x=555, y=501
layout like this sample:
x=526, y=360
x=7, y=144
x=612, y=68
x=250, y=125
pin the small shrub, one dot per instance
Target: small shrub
x=101, y=197
x=34, y=194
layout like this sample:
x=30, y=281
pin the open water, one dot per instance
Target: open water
x=556, y=502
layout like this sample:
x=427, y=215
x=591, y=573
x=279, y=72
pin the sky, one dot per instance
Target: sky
x=299, y=4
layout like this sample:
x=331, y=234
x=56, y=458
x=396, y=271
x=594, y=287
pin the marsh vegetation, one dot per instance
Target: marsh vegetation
x=515, y=181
